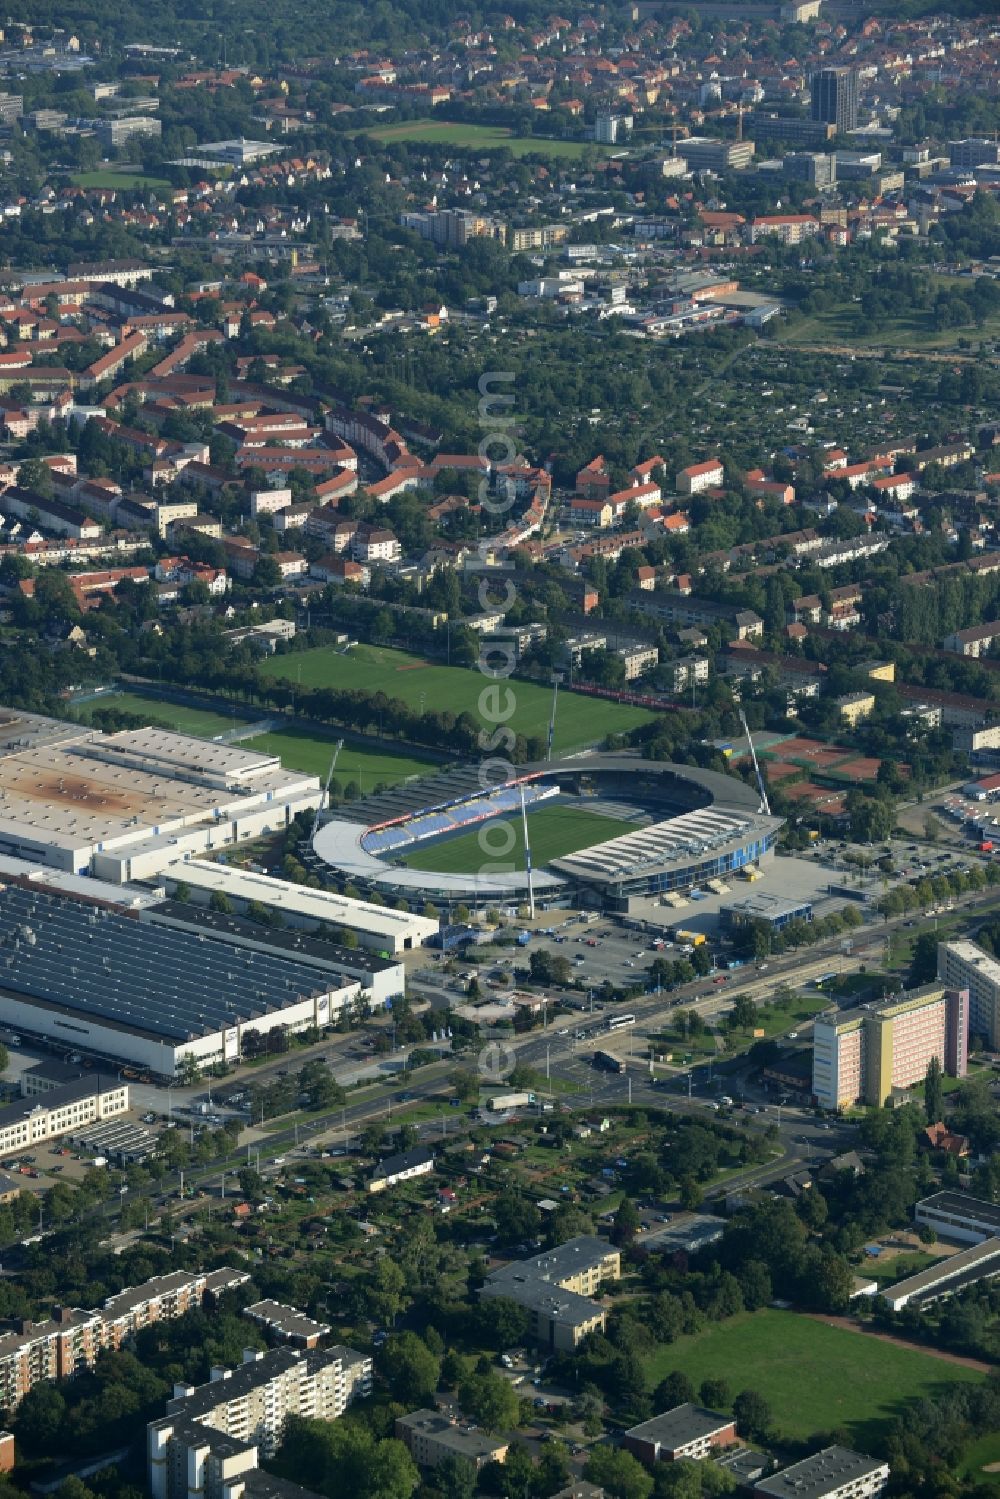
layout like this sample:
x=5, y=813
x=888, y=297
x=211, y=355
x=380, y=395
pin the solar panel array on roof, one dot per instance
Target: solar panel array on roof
x=153, y=979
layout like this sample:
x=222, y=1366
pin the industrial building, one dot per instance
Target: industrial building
x=946, y=1277
x=378, y=928
x=89, y=975
x=863, y=1055
x=122, y=806
x=955, y=1215
x=965, y=965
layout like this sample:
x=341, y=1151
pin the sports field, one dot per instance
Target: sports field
x=368, y=768
x=553, y=831
x=580, y=720
x=198, y=721
x=813, y=1376
x=124, y=181
x=480, y=137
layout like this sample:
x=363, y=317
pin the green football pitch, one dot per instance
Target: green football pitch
x=580, y=720
x=552, y=831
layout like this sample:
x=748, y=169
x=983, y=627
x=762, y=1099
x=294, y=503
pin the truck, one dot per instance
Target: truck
x=523, y=938
x=606, y=1061
x=696, y=939
x=502, y=1101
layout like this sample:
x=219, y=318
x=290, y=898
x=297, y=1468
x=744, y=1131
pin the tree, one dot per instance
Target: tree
x=411, y=1368
x=626, y=1224
x=923, y=962
x=38, y=1424
x=675, y=1389
x=744, y=1013
x=714, y=1393
x=490, y=1400
x=618, y=1473
x=933, y=1092
x=455, y=1477
x=753, y=1415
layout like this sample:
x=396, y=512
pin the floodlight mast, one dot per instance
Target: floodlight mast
x=326, y=788
x=765, y=806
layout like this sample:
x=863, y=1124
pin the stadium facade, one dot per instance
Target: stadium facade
x=697, y=825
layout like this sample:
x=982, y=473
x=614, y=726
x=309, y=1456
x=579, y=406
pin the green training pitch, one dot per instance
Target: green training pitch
x=553, y=831
x=199, y=721
x=813, y=1376
x=368, y=768
x=122, y=181
x=480, y=137
x=580, y=720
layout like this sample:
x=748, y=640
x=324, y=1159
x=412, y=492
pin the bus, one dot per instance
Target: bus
x=619, y=1022
x=608, y=1063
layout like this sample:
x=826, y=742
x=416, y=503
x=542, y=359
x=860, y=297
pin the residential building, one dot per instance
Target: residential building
x=161, y=1298
x=402, y=1167
x=249, y=1407
x=956, y=1215
x=684, y=673
x=834, y=1473
x=286, y=1324
x=789, y=228
x=855, y=707
x=56, y=1349
x=431, y=1436
x=555, y=1289
x=638, y=659
x=976, y=641
x=700, y=476
x=862, y=1055
x=688, y=1431
x=834, y=98
x=965, y=965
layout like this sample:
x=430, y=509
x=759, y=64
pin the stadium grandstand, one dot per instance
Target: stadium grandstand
x=694, y=825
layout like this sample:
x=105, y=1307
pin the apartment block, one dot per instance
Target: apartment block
x=688, y=1431
x=431, y=1436
x=862, y=1055
x=556, y=1287
x=834, y=1473
x=965, y=965
x=163, y=1297
x=56, y=1349
x=212, y=1433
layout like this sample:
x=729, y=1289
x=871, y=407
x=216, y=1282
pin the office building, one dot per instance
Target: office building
x=773, y=911
x=112, y=133
x=814, y=167
x=794, y=131
x=556, y=1287
x=60, y=1111
x=704, y=154
x=955, y=1215
x=688, y=1431
x=965, y=965
x=974, y=151
x=834, y=1473
x=863, y=1055
x=835, y=98
x=430, y=1437
x=211, y=1433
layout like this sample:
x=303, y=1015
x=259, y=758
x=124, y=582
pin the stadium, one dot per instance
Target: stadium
x=602, y=828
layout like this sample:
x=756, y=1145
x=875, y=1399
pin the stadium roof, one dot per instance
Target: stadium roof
x=154, y=980
x=674, y=844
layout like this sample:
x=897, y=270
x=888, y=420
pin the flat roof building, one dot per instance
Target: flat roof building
x=379, y=928
x=965, y=965
x=862, y=1055
x=688, y=1430
x=834, y=1473
x=774, y=911
x=286, y=1323
x=947, y=1276
x=556, y=1287
x=431, y=1436
x=956, y=1215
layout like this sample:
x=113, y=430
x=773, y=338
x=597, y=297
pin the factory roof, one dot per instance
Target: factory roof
x=292, y=941
x=154, y=980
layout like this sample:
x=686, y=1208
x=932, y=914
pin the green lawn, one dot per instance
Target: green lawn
x=369, y=768
x=980, y=1458
x=580, y=720
x=912, y=328
x=184, y=720
x=483, y=137
x=815, y=1377
x=126, y=181
x=553, y=831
